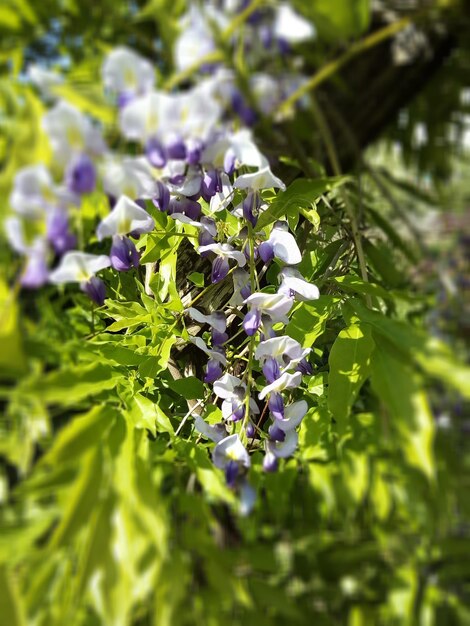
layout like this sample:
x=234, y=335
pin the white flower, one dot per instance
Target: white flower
x=34, y=192
x=283, y=449
x=275, y=305
x=126, y=217
x=195, y=113
x=215, y=320
x=293, y=415
x=266, y=91
x=214, y=355
x=125, y=71
x=146, y=117
x=262, y=179
x=223, y=198
x=14, y=231
x=213, y=433
x=285, y=381
x=225, y=250
x=284, y=246
x=129, y=176
x=196, y=40
x=71, y=133
x=293, y=281
x=287, y=351
x=230, y=449
x=77, y=267
x=242, y=146
x=229, y=387
x=290, y=26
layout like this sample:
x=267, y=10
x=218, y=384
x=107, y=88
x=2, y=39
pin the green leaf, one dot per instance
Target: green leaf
x=80, y=499
x=11, y=608
x=350, y=283
x=397, y=388
x=429, y=353
x=349, y=368
x=309, y=320
x=197, y=278
x=340, y=19
x=80, y=435
x=301, y=194
x=70, y=386
x=190, y=388
x=147, y=414
x=12, y=359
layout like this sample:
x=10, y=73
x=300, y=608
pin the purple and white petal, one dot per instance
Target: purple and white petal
x=77, y=267
x=283, y=449
x=230, y=449
x=285, y=381
x=126, y=217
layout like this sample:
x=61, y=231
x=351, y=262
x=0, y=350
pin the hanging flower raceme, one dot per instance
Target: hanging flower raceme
x=187, y=160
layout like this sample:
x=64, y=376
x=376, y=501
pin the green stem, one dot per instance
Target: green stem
x=334, y=66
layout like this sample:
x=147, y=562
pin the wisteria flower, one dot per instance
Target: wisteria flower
x=286, y=351
x=294, y=284
x=126, y=217
x=127, y=73
x=281, y=244
x=291, y=27
x=34, y=192
x=81, y=267
x=215, y=433
x=273, y=307
x=262, y=179
x=71, y=133
x=285, y=381
x=214, y=355
x=130, y=176
x=220, y=266
x=231, y=455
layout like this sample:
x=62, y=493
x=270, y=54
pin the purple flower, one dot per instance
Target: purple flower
x=250, y=430
x=218, y=338
x=184, y=206
x=276, y=433
x=193, y=151
x=230, y=161
x=123, y=254
x=213, y=371
x=161, y=199
x=270, y=463
x=242, y=109
x=211, y=184
x=81, y=175
x=155, y=153
x=231, y=472
x=95, y=289
x=305, y=368
x=175, y=148
x=271, y=370
x=266, y=251
x=251, y=205
x=36, y=273
x=220, y=269
x=276, y=405
x=58, y=233
x=252, y=321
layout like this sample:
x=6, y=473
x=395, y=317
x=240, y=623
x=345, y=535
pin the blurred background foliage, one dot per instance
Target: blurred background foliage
x=107, y=517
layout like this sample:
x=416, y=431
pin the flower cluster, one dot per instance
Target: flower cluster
x=193, y=163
